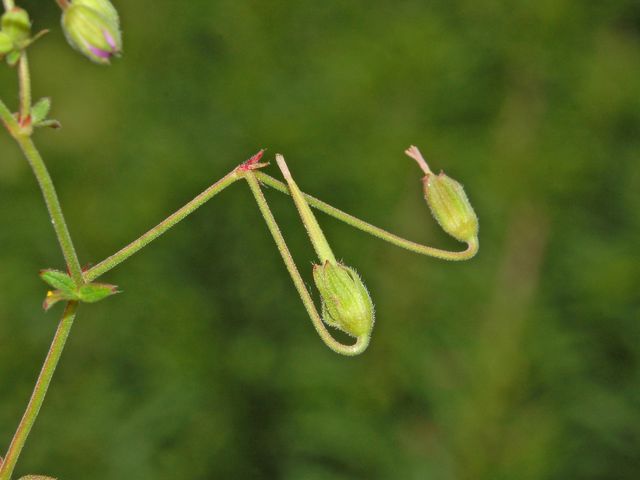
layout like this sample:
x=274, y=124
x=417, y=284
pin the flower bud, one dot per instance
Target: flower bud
x=16, y=24
x=94, y=34
x=450, y=206
x=103, y=7
x=346, y=303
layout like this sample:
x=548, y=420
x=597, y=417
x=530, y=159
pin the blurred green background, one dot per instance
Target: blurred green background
x=520, y=364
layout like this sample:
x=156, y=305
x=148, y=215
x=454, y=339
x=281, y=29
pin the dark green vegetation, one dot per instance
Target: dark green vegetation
x=521, y=364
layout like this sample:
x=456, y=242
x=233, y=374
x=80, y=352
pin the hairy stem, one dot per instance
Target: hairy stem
x=472, y=247
x=162, y=227
x=53, y=205
x=363, y=341
x=39, y=392
x=25, y=87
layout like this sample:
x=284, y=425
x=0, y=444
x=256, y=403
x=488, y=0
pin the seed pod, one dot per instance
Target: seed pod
x=346, y=303
x=450, y=206
x=448, y=203
x=93, y=34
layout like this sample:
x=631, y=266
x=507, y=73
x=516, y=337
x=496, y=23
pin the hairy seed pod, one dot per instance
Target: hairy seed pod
x=346, y=303
x=450, y=206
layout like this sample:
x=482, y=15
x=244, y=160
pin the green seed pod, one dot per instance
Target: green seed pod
x=103, y=7
x=346, y=303
x=450, y=206
x=17, y=25
x=6, y=44
x=94, y=35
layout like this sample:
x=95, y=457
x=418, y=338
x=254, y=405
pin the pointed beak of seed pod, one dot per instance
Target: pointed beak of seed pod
x=448, y=202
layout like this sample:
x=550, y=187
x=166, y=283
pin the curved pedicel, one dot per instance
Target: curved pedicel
x=362, y=341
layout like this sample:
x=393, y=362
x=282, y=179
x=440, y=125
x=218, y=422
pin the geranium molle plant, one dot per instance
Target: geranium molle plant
x=92, y=27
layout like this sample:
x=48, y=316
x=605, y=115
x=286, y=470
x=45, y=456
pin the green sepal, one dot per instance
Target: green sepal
x=13, y=58
x=16, y=24
x=103, y=7
x=55, y=296
x=40, y=110
x=94, y=292
x=6, y=43
x=50, y=123
x=60, y=281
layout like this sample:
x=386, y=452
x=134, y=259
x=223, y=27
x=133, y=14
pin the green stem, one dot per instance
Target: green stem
x=53, y=205
x=319, y=241
x=25, y=87
x=162, y=227
x=8, y=4
x=39, y=392
x=472, y=246
x=363, y=341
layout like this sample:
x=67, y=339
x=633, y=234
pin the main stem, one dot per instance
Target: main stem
x=25, y=87
x=363, y=341
x=39, y=391
x=66, y=244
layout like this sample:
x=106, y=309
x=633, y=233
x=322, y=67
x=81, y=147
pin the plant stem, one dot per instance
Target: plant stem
x=8, y=4
x=39, y=392
x=319, y=241
x=162, y=227
x=363, y=341
x=472, y=247
x=53, y=205
x=25, y=87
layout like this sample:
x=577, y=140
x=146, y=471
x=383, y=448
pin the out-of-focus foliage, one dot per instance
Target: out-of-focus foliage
x=521, y=364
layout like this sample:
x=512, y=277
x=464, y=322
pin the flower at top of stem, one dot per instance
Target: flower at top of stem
x=448, y=201
x=92, y=28
x=346, y=303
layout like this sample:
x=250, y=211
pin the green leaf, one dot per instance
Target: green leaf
x=40, y=110
x=59, y=280
x=94, y=292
